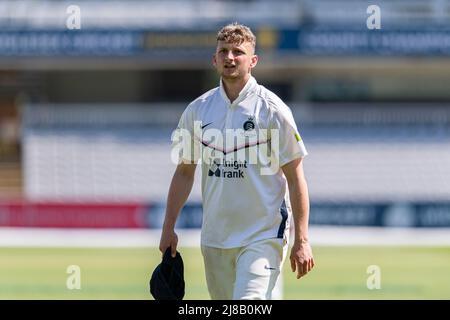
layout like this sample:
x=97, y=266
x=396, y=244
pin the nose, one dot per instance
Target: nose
x=229, y=55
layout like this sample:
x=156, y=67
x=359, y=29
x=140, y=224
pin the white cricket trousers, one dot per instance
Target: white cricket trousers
x=244, y=273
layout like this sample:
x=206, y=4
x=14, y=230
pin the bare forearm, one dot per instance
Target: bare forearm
x=179, y=191
x=301, y=254
x=299, y=197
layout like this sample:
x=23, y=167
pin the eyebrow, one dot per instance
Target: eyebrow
x=235, y=49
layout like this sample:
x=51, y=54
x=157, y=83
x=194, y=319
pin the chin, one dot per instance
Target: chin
x=232, y=76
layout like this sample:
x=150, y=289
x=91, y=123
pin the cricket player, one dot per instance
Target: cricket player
x=250, y=200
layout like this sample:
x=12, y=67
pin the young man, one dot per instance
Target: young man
x=246, y=209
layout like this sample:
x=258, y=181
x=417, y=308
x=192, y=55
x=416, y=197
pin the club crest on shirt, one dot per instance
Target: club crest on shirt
x=249, y=124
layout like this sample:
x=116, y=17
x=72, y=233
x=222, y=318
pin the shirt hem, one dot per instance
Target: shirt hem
x=243, y=244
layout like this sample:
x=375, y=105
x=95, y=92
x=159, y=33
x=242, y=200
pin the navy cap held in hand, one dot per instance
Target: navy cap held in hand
x=167, y=281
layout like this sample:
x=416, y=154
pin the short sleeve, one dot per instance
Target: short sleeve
x=184, y=145
x=286, y=141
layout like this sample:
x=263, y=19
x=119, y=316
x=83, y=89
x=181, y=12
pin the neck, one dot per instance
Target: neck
x=233, y=87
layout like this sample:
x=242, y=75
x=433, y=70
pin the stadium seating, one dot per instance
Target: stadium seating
x=376, y=162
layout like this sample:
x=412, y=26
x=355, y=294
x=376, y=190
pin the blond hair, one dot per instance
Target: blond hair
x=237, y=34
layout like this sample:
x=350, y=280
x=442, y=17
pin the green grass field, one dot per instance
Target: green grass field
x=340, y=273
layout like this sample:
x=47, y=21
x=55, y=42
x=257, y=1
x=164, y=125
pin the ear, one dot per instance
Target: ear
x=254, y=61
x=214, y=60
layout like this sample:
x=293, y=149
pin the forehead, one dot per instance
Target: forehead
x=246, y=46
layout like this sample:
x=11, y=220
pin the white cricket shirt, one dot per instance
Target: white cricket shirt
x=241, y=146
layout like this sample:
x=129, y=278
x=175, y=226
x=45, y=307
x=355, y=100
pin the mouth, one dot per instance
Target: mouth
x=230, y=67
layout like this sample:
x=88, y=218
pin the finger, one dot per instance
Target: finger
x=173, y=247
x=163, y=251
x=299, y=270
x=311, y=263
x=162, y=248
x=293, y=264
x=305, y=267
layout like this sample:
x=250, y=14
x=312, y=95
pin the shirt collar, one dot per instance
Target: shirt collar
x=248, y=88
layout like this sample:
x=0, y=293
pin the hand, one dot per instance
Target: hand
x=168, y=239
x=301, y=258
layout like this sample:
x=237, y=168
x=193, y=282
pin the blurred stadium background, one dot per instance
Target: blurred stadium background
x=86, y=117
